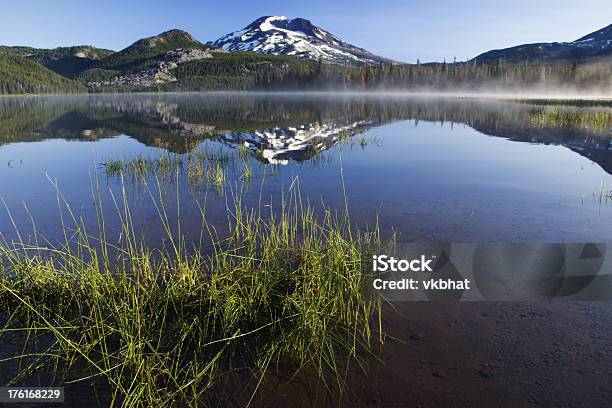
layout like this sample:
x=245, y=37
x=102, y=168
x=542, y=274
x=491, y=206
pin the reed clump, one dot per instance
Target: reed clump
x=558, y=117
x=168, y=327
x=204, y=166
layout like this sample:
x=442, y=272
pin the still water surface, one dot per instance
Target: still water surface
x=432, y=169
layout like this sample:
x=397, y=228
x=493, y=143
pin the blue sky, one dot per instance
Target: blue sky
x=404, y=30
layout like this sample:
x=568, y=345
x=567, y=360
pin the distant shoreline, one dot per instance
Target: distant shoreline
x=470, y=95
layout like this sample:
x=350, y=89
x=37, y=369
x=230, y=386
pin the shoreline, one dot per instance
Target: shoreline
x=425, y=94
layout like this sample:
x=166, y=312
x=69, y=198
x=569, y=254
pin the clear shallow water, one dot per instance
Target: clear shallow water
x=432, y=169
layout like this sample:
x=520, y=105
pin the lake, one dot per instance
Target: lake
x=429, y=168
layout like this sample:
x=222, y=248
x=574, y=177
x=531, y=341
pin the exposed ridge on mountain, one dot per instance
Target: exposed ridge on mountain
x=66, y=61
x=593, y=45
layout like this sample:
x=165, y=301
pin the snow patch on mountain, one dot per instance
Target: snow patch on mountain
x=297, y=37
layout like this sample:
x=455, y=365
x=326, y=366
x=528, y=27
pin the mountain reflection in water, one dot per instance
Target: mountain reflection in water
x=285, y=127
x=445, y=168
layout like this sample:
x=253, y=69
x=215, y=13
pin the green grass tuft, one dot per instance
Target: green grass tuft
x=168, y=327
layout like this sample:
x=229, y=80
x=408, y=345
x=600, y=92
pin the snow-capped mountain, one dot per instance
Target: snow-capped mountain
x=298, y=37
x=596, y=44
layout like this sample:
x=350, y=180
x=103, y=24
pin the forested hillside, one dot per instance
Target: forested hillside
x=245, y=70
x=66, y=61
x=149, y=48
x=19, y=75
x=236, y=71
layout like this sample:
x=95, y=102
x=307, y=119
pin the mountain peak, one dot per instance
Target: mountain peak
x=175, y=32
x=265, y=21
x=297, y=37
x=166, y=41
x=171, y=36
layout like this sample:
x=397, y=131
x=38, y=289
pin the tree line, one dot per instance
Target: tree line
x=251, y=71
x=473, y=76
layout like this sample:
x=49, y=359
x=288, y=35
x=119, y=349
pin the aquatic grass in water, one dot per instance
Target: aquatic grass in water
x=556, y=117
x=203, y=166
x=244, y=151
x=581, y=103
x=168, y=327
x=215, y=175
x=246, y=172
x=362, y=141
